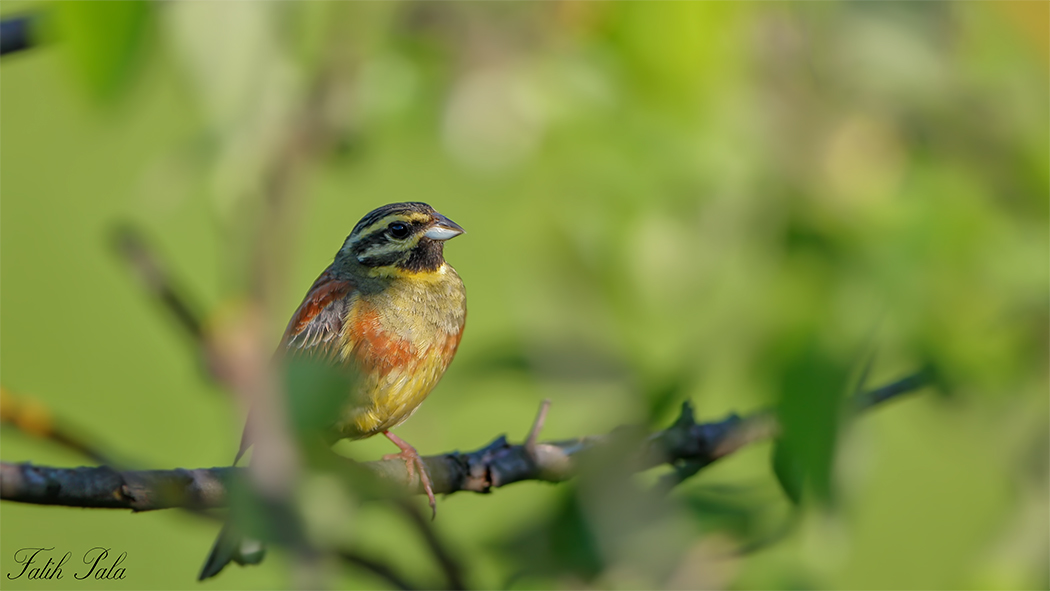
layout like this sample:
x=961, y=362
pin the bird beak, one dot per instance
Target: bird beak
x=443, y=229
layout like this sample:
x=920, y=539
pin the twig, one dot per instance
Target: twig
x=377, y=568
x=132, y=246
x=537, y=426
x=497, y=464
x=451, y=567
x=866, y=400
x=34, y=418
x=16, y=33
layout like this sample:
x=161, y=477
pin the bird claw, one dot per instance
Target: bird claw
x=412, y=461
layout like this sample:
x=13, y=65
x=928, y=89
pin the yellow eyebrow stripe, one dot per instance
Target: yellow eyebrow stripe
x=396, y=217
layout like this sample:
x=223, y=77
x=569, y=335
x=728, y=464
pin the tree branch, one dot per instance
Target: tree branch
x=103, y=487
x=450, y=566
x=686, y=444
x=376, y=567
x=16, y=33
x=34, y=418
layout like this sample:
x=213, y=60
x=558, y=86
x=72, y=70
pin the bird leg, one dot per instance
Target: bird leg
x=410, y=456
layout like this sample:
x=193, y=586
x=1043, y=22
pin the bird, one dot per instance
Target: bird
x=390, y=309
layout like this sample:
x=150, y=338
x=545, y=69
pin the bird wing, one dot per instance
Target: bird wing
x=313, y=330
x=318, y=321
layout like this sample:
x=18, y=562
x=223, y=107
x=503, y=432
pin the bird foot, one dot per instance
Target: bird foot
x=412, y=461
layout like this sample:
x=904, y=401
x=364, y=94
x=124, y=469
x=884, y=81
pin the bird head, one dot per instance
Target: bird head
x=396, y=240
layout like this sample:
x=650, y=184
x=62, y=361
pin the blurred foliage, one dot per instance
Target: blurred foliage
x=811, y=394
x=103, y=42
x=317, y=390
x=740, y=204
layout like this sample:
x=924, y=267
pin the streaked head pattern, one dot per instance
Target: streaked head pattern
x=400, y=239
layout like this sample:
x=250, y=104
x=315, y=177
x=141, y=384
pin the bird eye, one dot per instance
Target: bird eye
x=398, y=230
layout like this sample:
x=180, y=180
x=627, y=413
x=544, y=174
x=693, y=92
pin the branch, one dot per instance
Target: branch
x=16, y=33
x=34, y=418
x=380, y=569
x=451, y=567
x=685, y=444
x=155, y=277
x=103, y=487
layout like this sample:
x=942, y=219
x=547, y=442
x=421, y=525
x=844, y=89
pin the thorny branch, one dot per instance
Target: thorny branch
x=497, y=464
x=686, y=445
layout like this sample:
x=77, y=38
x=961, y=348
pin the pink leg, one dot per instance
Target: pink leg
x=410, y=456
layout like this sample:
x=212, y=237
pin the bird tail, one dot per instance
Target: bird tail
x=231, y=546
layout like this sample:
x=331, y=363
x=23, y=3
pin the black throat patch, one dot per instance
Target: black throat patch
x=428, y=255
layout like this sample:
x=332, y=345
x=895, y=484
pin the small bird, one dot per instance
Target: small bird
x=390, y=309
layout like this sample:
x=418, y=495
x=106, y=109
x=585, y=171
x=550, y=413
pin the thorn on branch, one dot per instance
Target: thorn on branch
x=537, y=426
x=685, y=418
x=686, y=445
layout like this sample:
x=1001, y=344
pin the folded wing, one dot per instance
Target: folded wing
x=313, y=330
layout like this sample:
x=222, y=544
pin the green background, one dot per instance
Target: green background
x=731, y=203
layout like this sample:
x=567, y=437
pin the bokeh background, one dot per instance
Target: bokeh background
x=737, y=204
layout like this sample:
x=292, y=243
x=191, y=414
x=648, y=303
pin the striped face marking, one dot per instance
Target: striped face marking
x=401, y=238
x=389, y=239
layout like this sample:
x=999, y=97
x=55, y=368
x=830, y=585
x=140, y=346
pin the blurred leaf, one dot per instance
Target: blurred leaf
x=667, y=394
x=789, y=472
x=740, y=510
x=676, y=50
x=551, y=360
x=561, y=544
x=317, y=392
x=102, y=40
x=308, y=27
x=812, y=387
x=506, y=356
x=253, y=519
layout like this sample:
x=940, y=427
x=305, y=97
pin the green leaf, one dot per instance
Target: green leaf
x=788, y=471
x=734, y=509
x=103, y=41
x=667, y=393
x=317, y=393
x=812, y=387
x=562, y=544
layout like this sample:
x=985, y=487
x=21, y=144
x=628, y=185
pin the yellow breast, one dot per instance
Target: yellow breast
x=400, y=340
